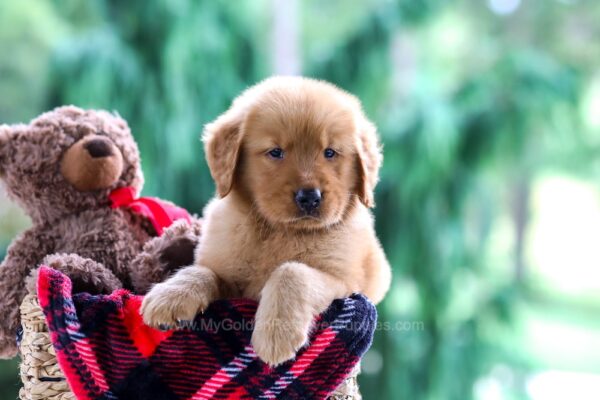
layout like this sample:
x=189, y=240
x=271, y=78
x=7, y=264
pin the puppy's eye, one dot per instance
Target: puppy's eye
x=329, y=153
x=276, y=153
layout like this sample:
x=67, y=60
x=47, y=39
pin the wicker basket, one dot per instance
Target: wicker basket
x=40, y=374
x=43, y=379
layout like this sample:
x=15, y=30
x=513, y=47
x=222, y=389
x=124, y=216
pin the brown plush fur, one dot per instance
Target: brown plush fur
x=85, y=274
x=62, y=180
x=255, y=242
x=165, y=254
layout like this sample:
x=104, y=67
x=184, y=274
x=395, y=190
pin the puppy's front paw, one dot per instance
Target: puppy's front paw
x=167, y=305
x=276, y=340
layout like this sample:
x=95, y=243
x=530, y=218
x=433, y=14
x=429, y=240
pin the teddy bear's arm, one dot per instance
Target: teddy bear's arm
x=24, y=255
x=165, y=255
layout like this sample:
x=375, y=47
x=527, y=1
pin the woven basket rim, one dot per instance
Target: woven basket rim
x=42, y=377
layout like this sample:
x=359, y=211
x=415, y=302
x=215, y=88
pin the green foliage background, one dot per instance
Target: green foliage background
x=471, y=106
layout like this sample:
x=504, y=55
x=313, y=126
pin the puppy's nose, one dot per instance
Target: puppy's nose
x=308, y=200
x=99, y=147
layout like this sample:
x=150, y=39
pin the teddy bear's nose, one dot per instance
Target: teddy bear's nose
x=99, y=148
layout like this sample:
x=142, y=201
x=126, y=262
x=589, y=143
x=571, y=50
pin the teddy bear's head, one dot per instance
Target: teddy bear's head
x=68, y=160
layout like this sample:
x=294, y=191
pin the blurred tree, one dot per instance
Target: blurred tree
x=24, y=83
x=470, y=105
x=168, y=68
x=438, y=142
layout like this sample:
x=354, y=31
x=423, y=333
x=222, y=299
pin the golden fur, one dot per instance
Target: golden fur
x=255, y=243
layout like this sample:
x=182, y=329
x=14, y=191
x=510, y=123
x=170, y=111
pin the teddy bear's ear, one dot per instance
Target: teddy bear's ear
x=5, y=132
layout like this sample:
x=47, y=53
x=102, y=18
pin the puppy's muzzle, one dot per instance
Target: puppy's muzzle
x=308, y=200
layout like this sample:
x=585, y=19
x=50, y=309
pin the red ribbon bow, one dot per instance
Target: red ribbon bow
x=161, y=214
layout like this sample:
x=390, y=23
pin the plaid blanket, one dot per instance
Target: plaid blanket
x=107, y=352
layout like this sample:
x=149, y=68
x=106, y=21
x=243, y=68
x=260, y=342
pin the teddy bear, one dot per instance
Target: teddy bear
x=77, y=175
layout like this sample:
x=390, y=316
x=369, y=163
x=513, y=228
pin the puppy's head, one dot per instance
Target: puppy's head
x=300, y=151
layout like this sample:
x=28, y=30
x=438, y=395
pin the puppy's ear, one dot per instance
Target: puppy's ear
x=222, y=140
x=369, y=161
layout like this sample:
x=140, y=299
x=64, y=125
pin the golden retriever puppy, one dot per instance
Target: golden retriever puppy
x=295, y=162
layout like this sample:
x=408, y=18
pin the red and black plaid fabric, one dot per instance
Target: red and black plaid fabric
x=106, y=351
